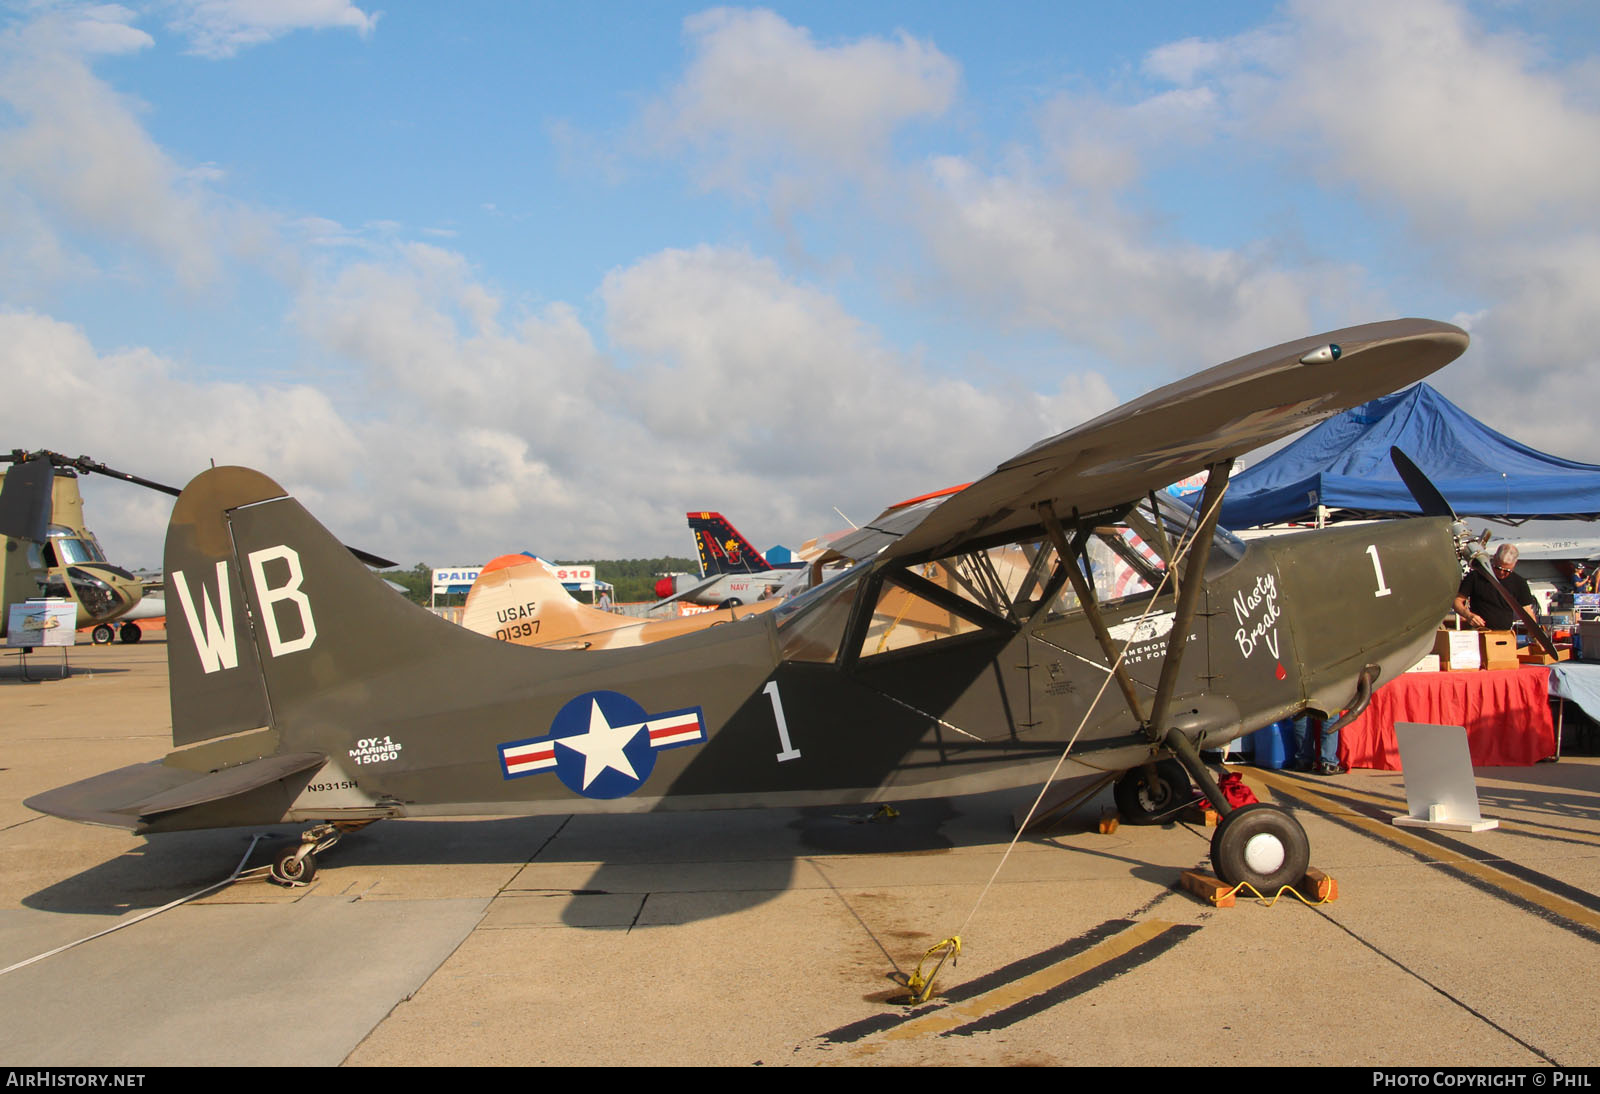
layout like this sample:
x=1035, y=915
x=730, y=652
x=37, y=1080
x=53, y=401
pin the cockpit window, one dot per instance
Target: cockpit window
x=71, y=548
x=1129, y=558
x=811, y=625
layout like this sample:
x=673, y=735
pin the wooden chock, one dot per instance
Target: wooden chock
x=1208, y=888
x=1109, y=820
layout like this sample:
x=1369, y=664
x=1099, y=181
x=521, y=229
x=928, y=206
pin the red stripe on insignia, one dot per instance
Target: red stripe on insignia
x=677, y=730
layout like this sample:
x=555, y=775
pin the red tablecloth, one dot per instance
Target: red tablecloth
x=1506, y=714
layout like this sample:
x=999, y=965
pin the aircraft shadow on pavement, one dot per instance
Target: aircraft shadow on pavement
x=733, y=859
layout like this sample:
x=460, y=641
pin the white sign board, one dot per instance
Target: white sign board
x=446, y=577
x=50, y=622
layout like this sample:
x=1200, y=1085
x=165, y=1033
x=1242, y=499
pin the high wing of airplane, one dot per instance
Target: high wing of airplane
x=1059, y=606
x=519, y=599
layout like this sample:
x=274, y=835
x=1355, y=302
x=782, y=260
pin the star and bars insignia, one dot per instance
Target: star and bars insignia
x=602, y=744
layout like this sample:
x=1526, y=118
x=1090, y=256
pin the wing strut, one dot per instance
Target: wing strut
x=1091, y=607
x=1188, y=600
x=1189, y=596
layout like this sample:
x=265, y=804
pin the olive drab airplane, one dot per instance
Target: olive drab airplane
x=519, y=599
x=1059, y=604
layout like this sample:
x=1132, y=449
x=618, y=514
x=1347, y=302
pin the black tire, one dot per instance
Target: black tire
x=1262, y=845
x=288, y=870
x=103, y=634
x=1145, y=799
x=130, y=633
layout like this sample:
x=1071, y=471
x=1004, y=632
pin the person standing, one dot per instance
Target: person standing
x=1479, y=603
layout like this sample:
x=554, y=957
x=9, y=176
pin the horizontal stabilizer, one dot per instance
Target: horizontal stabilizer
x=126, y=796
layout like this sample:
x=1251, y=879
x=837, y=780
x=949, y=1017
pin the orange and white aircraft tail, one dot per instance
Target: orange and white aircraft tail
x=518, y=599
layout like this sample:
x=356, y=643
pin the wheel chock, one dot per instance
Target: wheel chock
x=1109, y=820
x=1318, y=887
x=1203, y=814
x=1208, y=888
x=1315, y=887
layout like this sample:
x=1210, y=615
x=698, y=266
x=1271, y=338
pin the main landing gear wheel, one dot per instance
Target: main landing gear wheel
x=1144, y=797
x=130, y=633
x=290, y=867
x=1260, y=845
x=103, y=634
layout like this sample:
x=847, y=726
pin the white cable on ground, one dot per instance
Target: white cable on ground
x=143, y=916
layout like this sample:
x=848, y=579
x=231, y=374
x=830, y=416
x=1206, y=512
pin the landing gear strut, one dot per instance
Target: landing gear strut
x=296, y=863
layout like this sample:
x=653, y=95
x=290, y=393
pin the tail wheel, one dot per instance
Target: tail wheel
x=291, y=868
x=1260, y=845
x=1146, y=797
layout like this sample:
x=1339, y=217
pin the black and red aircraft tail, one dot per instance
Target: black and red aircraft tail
x=722, y=549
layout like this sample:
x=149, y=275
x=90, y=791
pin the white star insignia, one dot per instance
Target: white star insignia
x=601, y=747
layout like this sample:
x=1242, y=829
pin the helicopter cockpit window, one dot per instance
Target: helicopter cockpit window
x=71, y=549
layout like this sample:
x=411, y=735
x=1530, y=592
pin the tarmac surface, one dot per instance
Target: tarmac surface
x=781, y=936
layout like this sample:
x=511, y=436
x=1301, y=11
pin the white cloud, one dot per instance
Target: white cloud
x=760, y=91
x=1415, y=104
x=725, y=383
x=80, y=175
x=1486, y=148
x=220, y=28
x=1026, y=251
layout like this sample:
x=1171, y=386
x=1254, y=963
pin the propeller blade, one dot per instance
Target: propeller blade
x=1427, y=496
x=1433, y=504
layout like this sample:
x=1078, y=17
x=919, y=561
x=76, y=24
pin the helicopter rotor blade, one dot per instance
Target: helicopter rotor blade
x=84, y=465
x=26, y=500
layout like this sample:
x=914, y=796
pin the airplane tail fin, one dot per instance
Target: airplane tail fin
x=272, y=624
x=519, y=599
x=722, y=549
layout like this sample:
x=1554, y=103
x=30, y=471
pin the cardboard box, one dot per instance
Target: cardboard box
x=1499, y=649
x=1429, y=663
x=1589, y=640
x=1462, y=651
x=1533, y=655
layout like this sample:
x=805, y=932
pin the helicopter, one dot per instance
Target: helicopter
x=49, y=550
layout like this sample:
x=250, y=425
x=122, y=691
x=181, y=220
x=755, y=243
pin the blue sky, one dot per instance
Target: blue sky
x=479, y=277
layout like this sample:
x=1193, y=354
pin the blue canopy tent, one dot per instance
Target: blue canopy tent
x=1344, y=464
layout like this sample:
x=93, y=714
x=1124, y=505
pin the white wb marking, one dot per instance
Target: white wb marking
x=214, y=637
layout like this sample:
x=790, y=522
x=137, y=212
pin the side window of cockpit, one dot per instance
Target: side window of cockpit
x=902, y=618
x=989, y=590
x=1118, y=564
x=814, y=630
